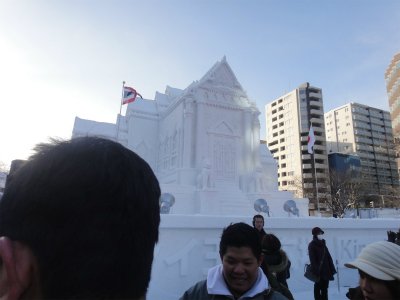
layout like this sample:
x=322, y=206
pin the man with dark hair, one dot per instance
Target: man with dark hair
x=239, y=276
x=258, y=223
x=79, y=220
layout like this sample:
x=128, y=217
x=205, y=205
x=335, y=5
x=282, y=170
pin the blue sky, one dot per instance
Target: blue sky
x=66, y=58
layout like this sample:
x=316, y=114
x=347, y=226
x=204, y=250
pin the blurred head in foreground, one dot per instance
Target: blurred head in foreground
x=79, y=220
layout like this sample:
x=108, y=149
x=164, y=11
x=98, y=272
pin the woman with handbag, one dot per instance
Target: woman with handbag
x=321, y=264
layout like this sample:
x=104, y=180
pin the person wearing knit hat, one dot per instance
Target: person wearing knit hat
x=379, y=267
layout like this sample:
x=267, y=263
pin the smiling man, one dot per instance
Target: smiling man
x=239, y=276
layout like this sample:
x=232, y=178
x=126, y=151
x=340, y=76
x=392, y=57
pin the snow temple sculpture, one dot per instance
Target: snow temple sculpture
x=203, y=143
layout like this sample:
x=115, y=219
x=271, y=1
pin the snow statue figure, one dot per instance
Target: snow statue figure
x=204, y=179
x=203, y=143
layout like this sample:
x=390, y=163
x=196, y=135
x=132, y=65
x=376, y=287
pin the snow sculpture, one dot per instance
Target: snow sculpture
x=203, y=143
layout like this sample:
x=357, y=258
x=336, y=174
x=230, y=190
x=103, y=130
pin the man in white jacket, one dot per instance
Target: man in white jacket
x=239, y=276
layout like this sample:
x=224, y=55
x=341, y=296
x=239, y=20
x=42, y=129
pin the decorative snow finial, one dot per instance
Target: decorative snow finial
x=224, y=59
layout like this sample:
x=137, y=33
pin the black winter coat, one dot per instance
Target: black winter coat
x=278, y=264
x=316, y=253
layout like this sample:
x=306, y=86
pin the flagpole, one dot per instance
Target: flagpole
x=315, y=174
x=122, y=97
x=120, y=109
x=316, y=182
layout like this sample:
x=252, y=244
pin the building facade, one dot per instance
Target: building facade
x=288, y=121
x=367, y=132
x=392, y=77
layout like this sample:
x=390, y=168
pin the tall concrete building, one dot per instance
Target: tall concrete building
x=288, y=120
x=366, y=131
x=392, y=77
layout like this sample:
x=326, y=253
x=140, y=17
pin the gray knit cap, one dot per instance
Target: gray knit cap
x=380, y=260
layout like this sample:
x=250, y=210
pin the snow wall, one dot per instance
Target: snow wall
x=188, y=247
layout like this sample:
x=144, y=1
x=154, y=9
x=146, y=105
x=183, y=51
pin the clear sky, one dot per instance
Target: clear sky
x=65, y=58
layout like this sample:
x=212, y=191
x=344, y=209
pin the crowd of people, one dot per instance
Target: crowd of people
x=80, y=218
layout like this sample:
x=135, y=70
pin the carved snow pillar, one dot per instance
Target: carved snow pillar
x=188, y=123
x=200, y=135
x=247, y=141
x=256, y=138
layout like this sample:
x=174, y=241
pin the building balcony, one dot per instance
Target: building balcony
x=363, y=155
x=366, y=163
x=319, y=147
x=320, y=156
x=362, y=125
x=304, y=138
x=377, y=122
x=365, y=147
x=315, y=95
x=376, y=114
x=319, y=129
x=363, y=140
x=306, y=166
x=322, y=176
x=317, y=121
x=382, y=157
x=362, y=132
x=315, y=103
x=316, y=111
x=321, y=166
x=378, y=135
x=383, y=165
x=361, y=118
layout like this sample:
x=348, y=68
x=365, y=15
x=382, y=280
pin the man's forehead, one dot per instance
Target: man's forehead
x=244, y=252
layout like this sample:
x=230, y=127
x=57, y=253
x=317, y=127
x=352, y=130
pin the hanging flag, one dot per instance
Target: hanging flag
x=130, y=95
x=311, y=140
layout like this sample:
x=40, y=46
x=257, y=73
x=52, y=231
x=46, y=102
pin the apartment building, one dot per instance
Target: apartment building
x=392, y=77
x=288, y=121
x=367, y=132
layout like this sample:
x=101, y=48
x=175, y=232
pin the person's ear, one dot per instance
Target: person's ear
x=17, y=270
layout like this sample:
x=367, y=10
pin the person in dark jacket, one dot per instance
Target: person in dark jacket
x=276, y=265
x=321, y=264
x=275, y=258
x=258, y=223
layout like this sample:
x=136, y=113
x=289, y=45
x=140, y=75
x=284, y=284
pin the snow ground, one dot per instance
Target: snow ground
x=333, y=293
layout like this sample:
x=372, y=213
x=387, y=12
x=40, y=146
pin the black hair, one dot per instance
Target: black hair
x=394, y=288
x=240, y=235
x=270, y=243
x=88, y=208
x=257, y=217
